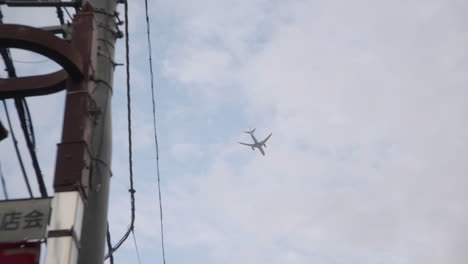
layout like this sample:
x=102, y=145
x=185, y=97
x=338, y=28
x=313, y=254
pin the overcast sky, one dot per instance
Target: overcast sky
x=366, y=101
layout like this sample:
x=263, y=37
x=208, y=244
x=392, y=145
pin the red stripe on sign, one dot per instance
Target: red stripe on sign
x=20, y=253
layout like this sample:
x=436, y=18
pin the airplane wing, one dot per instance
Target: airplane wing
x=265, y=140
x=250, y=145
x=261, y=151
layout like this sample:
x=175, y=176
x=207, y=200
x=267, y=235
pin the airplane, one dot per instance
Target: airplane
x=256, y=144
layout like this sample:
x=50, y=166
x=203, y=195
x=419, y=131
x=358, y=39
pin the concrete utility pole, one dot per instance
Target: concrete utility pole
x=95, y=215
x=83, y=164
x=78, y=223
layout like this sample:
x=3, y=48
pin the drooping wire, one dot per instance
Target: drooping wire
x=18, y=154
x=31, y=62
x=156, y=144
x=26, y=123
x=109, y=245
x=10, y=68
x=4, y=187
x=130, y=144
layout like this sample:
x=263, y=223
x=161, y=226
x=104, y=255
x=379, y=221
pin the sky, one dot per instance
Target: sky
x=366, y=103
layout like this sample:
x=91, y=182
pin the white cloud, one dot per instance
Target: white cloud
x=186, y=151
x=366, y=161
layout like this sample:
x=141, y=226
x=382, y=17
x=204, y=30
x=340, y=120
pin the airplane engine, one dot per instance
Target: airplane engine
x=264, y=145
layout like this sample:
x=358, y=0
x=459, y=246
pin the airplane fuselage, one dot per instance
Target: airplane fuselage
x=257, y=144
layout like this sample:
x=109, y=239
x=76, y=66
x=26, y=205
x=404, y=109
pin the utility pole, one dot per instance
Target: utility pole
x=95, y=214
x=78, y=223
x=92, y=146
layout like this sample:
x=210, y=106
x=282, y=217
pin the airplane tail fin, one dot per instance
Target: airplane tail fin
x=250, y=132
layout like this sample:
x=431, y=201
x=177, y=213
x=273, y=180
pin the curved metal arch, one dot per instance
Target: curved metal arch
x=44, y=43
x=33, y=85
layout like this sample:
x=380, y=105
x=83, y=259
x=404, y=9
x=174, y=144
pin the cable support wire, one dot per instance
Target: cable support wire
x=130, y=153
x=156, y=144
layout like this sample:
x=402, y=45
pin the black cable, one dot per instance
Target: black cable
x=5, y=193
x=6, y=56
x=66, y=11
x=10, y=68
x=26, y=124
x=28, y=121
x=109, y=245
x=136, y=246
x=60, y=15
x=28, y=133
x=130, y=153
x=150, y=57
x=18, y=154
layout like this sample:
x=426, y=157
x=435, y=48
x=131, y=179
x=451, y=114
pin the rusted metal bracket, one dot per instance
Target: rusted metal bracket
x=78, y=59
x=43, y=84
x=59, y=29
x=44, y=43
x=73, y=165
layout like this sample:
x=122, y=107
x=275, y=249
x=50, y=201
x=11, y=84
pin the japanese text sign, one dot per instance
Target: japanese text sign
x=22, y=220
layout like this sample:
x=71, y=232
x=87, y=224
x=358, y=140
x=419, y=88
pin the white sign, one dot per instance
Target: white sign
x=22, y=220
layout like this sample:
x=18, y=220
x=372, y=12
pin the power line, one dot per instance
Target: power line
x=28, y=120
x=136, y=246
x=60, y=15
x=66, y=10
x=10, y=68
x=18, y=154
x=26, y=123
x=4, y=187
x=109, y=245
x=28, y=132
x=6, y=56
x=130, y=144
x=150, y=57
x=25, y=120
